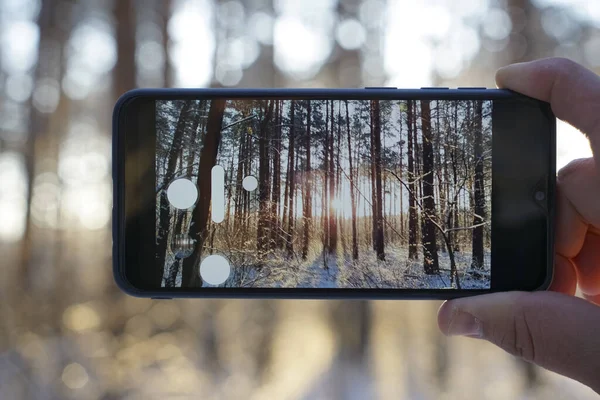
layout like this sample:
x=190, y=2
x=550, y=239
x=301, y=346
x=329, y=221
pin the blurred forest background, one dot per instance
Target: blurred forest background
x=66, y=332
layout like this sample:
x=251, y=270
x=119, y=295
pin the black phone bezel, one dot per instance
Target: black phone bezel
x=133, y=232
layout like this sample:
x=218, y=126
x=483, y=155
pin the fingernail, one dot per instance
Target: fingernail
x=464, y=324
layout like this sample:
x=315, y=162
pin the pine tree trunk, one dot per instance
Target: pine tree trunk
x=185, y=116
x=479, y=194
x=291, y=179
x=412, y=207
x=239, y=191
x=352, y=189
x=373, y=178
x=338, y=184
x=307, y=195
x=430, y=256
x=276, y=192
x=208, y=158
x=325, y=204
x=401, y=175
x=378, y=216
x=264, y=176
x=332, y=220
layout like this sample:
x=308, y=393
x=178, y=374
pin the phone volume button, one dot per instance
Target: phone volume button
x=472, y=88
x=434, y=88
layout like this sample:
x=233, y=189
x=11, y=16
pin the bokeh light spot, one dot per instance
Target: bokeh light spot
x=350, y=34
x=19, y=87
x=74, y=376
x=497, y=24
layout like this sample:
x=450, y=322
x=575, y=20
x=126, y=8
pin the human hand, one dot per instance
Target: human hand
x=552, y=329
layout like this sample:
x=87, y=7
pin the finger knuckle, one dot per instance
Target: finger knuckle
x=518, y=336
x=574, y=167
x=563, y=65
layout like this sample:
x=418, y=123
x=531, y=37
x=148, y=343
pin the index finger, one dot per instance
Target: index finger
x=572, y=90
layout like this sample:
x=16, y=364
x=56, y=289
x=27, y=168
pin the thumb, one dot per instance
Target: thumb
x=552, y=330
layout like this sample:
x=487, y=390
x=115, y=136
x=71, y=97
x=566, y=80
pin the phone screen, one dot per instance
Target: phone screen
x=275, y=193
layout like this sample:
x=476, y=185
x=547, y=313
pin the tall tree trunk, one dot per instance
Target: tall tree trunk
x=338, y=182
x=453, y=236
x=49, y=66
x=352, y=189
x=173, y=270
x=373, y=179
x=376, y=145
x=412, y=208
x=291, y=178
x=479, y=194
x=325, y=205
x=307, y=195
x=430, y=256
x=185, y=117
x=124, y=79
x=332, y=220
x=276, y=192
x=401, y=174
x=165, y=13
x=198, y=227
x=239, y=191
x=264, y=141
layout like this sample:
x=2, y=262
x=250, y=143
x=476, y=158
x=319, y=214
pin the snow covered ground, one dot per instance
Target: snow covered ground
x=337, y=271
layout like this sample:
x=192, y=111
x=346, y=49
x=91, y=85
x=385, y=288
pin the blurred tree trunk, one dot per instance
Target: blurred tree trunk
x=165, y=14
x=343, y=69
x=42, y=268
x=48, y=67
x=524, y=33
x=352, y=322
x=125, y=70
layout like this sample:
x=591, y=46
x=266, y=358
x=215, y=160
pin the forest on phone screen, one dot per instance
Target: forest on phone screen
x=350, y=193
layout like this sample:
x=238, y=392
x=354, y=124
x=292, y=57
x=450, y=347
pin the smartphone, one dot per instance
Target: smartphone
x=374, y=193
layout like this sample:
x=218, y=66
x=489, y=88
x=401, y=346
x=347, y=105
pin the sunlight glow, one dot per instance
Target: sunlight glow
x=404, y=35
x=337, y=204
x=19, y=55
x=571, y=144
x=191, y=29
x=13, y=196
x=299, y=50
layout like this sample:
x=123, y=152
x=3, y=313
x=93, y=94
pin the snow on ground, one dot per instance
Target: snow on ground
x=337, y=271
